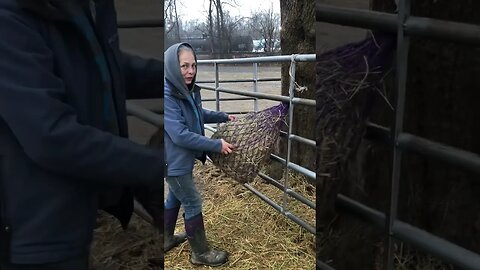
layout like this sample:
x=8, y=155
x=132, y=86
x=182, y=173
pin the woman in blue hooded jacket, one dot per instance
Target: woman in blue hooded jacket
x=185, y=141
x=63, y=129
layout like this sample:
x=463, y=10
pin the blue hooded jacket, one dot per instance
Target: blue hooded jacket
x=56, y=152
x=184, y=119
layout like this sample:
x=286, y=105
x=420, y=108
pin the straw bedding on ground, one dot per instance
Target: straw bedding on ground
x=256, y=236
x=136, y=248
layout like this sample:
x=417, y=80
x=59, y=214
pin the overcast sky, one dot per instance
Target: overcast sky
x=197, y=9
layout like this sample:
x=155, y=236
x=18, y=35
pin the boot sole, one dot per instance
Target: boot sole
x=212, y=265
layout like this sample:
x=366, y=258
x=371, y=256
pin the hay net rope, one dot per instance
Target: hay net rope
x=254, y=136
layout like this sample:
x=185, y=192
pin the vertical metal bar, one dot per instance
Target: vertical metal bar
x=255, y=85
x=291, y=88
x=403, y=43
x=217, y=84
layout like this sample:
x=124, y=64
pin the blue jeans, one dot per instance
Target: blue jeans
x=182, y=191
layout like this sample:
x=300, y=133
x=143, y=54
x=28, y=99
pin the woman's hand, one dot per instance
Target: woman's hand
x=227, y=148
x=232, y=118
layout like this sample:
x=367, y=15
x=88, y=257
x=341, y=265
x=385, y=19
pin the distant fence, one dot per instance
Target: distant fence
x=405, y=26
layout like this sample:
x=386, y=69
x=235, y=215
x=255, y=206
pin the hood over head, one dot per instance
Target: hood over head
x=173, y=75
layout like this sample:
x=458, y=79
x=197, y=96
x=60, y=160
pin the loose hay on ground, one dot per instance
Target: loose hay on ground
x=137, y=248
x=255, y=235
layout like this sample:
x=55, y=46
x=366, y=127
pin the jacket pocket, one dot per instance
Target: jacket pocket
x=5, y=234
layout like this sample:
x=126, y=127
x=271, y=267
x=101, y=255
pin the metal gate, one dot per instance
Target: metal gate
x=155, y=118
x=292, y=100
x=405, y=26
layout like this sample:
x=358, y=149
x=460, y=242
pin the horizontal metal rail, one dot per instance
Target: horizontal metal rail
x=141, y=212
x=237, y=112
x=141, y=23
x=293, y=137
x=299, y=139
x=227, y=99
x=356, y=17
x=303, y=101
x=454, y=156
x=292, y=59
x=323, y=266
x=280, y=209
x=310, y=174
x=145, y=114
x=378, y=133
x=209, y=128
x=242, y=80
x=277, y=207
x=451, y=155
x=360, y=211
x=289, y=191
x=413, y=26
x=264, y=59
x=451, y=253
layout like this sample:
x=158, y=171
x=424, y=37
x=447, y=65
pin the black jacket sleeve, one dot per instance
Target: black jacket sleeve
x=143, y=76
x=33, y=104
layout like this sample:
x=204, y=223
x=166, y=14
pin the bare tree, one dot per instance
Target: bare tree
x=266, y=24
x=172, y=21
x=210, y=25
x=220, y=25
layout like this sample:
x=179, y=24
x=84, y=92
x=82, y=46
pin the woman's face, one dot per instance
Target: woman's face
x=188, y=66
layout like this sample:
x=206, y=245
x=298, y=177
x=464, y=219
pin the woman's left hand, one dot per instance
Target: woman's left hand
x=232, y=118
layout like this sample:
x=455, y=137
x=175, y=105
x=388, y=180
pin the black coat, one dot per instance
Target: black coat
x=55, y=154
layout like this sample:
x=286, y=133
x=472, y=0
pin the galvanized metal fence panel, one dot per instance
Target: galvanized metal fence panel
x=157, y=120
x=405, y=26
x=311, y=177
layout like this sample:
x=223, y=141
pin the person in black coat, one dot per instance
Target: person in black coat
x=63, y=87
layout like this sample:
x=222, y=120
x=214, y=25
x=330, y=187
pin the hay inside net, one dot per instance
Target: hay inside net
x=347, y=79
x=254, y=136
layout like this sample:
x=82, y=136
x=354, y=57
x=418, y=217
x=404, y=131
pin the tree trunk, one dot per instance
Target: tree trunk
x=441, y=105
x=298, y=37
x=210, y=27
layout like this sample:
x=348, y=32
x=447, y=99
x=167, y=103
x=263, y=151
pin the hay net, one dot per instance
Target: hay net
x=254, y=136
x=349, y=78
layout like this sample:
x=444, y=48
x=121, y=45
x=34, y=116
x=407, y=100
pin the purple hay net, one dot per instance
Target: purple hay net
x=348, y=79
x=254, y=136
x=355, y=66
